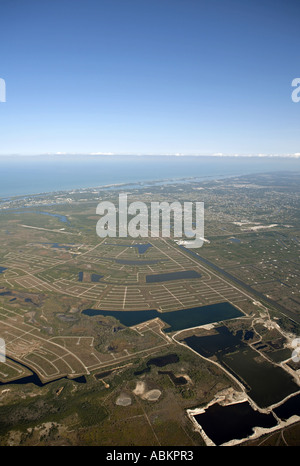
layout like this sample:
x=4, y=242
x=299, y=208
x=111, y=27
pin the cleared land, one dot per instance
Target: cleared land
x=50, y=271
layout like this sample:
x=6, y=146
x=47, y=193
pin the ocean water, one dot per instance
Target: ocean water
x=22, y=175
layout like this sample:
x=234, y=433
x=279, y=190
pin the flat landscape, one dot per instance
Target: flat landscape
x=83, y=317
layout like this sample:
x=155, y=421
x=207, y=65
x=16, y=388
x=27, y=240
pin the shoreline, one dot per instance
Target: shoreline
x=4, y=197
x=241, y=397
x=138, y=180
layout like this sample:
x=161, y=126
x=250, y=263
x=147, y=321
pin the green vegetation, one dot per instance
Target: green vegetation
x=252, y=225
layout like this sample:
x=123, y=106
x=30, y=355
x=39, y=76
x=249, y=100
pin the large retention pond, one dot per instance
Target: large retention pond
x=232, y=422
x=265, y=382
x=165, y=277
x=291, y=407
x=176, y=320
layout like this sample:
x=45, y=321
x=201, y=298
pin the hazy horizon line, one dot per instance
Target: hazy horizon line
x=218, y=154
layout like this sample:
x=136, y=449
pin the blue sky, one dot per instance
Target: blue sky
x=149, y=76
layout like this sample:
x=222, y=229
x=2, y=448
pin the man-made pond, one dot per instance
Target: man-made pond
x=142, y=248
x=232, y=422
x=209, y=345
x=94, y=277
x=127, y=318
x=165, y=277
x=268, y=384
x=289, y=408
x=265, y=382
x=176, y=320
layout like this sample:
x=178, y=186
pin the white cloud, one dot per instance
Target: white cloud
x=102, y=153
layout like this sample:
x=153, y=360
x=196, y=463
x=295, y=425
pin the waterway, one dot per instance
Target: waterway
x=176, y=320
x=34, y=378
x=61, y=218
